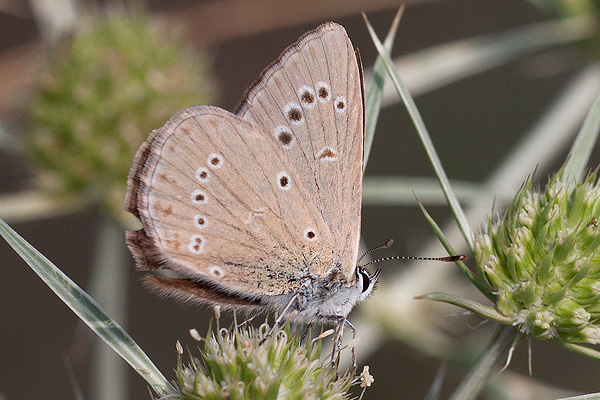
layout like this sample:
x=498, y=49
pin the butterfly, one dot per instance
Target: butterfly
x=260, y=209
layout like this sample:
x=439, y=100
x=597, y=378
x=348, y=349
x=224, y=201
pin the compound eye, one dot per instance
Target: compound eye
x=366, y=280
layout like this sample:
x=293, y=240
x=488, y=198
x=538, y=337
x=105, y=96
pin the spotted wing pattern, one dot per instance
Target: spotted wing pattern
x=221, y=202
x=253, y=203
x=311, y=100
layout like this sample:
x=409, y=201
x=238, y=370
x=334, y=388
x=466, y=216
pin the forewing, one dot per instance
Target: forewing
x=220, y=202
x=310, y=99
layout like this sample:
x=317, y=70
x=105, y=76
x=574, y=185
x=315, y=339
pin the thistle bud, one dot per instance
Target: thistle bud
x=245, y=363
x=541, y=259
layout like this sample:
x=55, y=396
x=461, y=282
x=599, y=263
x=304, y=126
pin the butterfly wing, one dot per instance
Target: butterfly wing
x=221, y=203
x=311, y=100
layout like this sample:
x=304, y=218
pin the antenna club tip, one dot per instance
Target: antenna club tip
x=389, y=243
x=459, y=257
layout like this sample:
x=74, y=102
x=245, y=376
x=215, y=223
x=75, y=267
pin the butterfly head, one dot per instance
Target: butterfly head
x=365, y=282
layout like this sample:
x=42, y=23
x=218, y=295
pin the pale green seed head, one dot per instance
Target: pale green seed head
x=237, y=364
x=100, y=94
x=541, y=259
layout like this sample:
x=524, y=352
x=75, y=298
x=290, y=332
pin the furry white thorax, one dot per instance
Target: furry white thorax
x=324, y=302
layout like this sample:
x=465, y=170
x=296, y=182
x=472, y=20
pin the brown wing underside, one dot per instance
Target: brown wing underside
x=251, y=204
x=211, y=199
x=322, y=75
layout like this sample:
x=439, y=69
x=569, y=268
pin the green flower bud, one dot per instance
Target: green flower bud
x=240, y=363
x=99, y=95
x=542, y=260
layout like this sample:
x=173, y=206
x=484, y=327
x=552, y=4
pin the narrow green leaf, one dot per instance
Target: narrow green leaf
x=591, y=396
x=488, y=364
x=425, y=139
x=469, y=305
x=434, y=390
x=583, y=145
x=374, y=89
x=483, y=288
x=88, y=310
x=580, y=349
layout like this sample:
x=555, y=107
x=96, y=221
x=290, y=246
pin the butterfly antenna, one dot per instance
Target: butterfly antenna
x=388, y=244
x=459, y=257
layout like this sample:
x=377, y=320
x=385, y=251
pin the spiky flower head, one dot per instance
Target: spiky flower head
x=541, y=259
x=118, y=77
x=241, y=364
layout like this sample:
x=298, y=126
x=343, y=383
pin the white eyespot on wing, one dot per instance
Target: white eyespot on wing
x=327, y=154
x=202, y=174
x=200, y=221
x=293, y=113
x=216, y=271
x=196, y=244
x=284, y=182
x=310, y=234
x=215, y=161
x=323, y=92
x=340, y=104
x=284, y=136
x=199, y=197
x=307, y=97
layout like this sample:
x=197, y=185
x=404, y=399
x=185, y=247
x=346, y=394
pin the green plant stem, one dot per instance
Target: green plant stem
x=434, y=390
x=487, y=364
x=581, y=350
x=473, y=306
x=108, y=286
x=374, y=89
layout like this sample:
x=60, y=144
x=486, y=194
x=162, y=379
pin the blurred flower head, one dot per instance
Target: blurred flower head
x=101, y=93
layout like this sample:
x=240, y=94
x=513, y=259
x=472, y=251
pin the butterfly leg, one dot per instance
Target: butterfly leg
x=280, y=317
x=247, y=320
x=337, y=340
x=305, y=334
x=349, y=325
x=339, y=330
